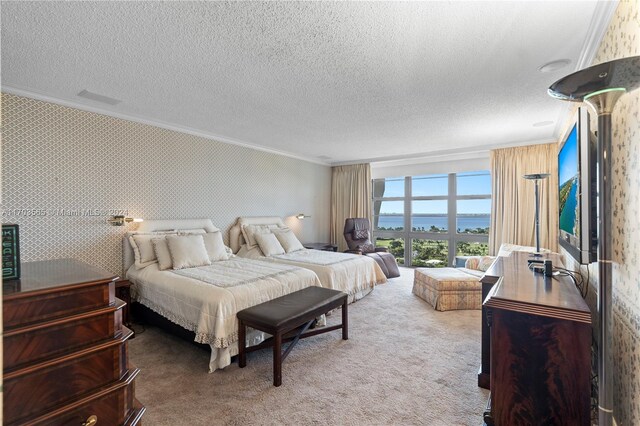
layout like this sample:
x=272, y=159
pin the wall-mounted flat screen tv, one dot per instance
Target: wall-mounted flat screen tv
x=577, y=178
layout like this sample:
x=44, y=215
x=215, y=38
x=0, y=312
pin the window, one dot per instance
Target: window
x=388, y=215
x=429, y=253
x=428, y=220
x=388, y=204
x=430, y=186
x=429, y=216
x=395, y=246
x=472, y=248
x=473, y=209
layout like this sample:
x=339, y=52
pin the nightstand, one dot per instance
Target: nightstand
x=123, y=293
x=321, y=246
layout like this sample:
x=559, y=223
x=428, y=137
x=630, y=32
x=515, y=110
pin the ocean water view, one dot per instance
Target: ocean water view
x=464, y=222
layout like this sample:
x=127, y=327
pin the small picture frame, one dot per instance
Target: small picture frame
x=10, y=252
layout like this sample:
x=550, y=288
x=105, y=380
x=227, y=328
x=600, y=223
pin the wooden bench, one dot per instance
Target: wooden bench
x=288, y=318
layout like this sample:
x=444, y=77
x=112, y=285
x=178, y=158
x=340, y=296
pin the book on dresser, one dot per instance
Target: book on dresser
x=540, y=347
x=65, y=348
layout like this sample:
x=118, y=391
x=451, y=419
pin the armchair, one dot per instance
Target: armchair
x=356, y=232
x=357, y=235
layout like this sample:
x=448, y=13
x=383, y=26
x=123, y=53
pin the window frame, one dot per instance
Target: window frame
x=408, y=234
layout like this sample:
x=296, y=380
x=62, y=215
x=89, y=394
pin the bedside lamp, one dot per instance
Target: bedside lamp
x=301, y=216
x=121, y=220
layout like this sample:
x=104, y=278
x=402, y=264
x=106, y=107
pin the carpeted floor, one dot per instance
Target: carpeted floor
x=403, y=364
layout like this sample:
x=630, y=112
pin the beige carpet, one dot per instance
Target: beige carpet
x=403, y=364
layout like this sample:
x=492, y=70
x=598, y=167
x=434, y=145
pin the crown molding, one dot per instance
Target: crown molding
x=28, y=93
x=479, y=151
x=602, y=15
x=598, y=26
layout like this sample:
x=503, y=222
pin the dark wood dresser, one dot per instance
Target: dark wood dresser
x=65, y=348
x=540, y=333
x=490, y=277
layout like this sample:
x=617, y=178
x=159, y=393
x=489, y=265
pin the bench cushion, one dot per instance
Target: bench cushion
x=290, y=310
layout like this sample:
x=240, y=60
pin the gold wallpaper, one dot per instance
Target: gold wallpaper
x=65, y=171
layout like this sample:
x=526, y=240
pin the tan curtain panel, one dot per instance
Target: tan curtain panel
x=513, y=199
x=350, y=197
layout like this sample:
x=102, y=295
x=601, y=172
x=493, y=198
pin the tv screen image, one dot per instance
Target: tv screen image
x=577, y=190
x=569, y=179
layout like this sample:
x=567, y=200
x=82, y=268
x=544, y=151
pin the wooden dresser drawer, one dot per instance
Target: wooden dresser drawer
x=65, y=352
x=28, y=310
x=112, y=405
x=36, y=389
x=44, y=340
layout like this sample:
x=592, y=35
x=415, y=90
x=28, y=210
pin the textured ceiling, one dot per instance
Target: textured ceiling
x=348, y=81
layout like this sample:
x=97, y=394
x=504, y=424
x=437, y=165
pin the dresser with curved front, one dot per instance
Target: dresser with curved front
x=65, y=348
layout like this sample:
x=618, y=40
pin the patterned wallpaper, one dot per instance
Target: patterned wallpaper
x=623, y=40
x=64, y=171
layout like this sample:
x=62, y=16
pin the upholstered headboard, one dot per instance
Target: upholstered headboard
x=161, y=225
x=236, y=240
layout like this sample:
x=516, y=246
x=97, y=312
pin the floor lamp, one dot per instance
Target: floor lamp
x=600, y=86
x=537, y=177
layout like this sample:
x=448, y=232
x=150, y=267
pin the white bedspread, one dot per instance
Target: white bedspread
x=206, y=300
x=354, y=274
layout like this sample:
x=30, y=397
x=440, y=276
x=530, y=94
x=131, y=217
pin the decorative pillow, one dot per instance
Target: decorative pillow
x=360, y=234
x=269, y=244
x=215, y=246
x=187, y=251
x=163, y=254
x=143, y=250
x=472, y=262
x=485, y=263
x=249, y=232
x=229, y=252
x=288, y=240
x=479, y=263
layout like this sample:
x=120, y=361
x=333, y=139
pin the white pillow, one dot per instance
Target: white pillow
x=163, y=254
x=187, y=251
x=249, y=232
x=269, y=244
x=143, y=250
x=216, y=249
x=288, y=240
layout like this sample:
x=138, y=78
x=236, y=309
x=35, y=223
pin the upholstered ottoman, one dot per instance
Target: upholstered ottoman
x=448, y=288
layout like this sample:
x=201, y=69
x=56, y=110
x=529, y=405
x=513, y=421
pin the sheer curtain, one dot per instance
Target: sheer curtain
x=350, y=197
x=513, y=199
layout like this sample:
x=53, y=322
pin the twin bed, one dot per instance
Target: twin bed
x=205, y=299
x=353, y=274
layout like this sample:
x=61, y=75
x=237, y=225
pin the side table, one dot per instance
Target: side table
x=123, y=292
x=321, y=246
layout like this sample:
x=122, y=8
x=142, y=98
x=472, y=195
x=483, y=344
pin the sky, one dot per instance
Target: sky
x=568, y=157
x=468, y=183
